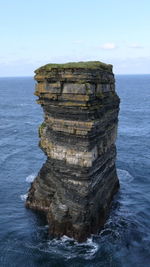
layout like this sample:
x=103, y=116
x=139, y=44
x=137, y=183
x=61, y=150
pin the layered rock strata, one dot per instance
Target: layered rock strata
x=75, y=186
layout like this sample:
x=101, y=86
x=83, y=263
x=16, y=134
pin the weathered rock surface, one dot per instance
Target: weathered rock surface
x=76, y=184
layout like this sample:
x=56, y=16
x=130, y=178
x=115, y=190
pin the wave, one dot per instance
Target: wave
x=68, y=248
x=73, y=249
x=24, y=104
x=30, y=178
x=124, y=175
x=8, y=157
x=23, y=197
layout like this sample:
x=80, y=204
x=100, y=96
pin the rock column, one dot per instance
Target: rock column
x=75, y=186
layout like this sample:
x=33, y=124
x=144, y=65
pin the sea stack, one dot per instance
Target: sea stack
x=76, y=184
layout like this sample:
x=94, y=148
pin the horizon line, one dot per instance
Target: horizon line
x=30, y=76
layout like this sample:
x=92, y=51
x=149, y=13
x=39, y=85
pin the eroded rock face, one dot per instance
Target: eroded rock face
x=76, y=184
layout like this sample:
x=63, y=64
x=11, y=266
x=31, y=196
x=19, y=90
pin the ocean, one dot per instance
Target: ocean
x=125, y=238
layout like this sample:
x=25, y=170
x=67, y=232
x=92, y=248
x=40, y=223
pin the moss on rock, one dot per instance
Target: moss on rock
x=76, y=65
x=41, y=127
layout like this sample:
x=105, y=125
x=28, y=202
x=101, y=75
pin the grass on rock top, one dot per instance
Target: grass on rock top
x=76, y=65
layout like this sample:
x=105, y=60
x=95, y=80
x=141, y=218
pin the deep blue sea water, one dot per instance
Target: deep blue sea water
x=125, y=239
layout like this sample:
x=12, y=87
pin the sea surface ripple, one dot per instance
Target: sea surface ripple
x=125, y=238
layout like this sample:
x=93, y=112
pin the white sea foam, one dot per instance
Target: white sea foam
x=65, y=238
x=91, y=248
x=125, y=175
x=23, y=197
x=24, y=104
x=68, y=248
x=29, y=122
x=30, y=178
x=72, y=249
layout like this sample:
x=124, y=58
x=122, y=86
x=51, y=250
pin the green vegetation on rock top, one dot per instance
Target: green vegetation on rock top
x=76, y=65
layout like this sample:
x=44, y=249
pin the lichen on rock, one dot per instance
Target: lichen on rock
x=76, y=65
x=75, y=186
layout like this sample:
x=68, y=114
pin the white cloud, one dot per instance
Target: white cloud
x=136, y=46
x=109, y=46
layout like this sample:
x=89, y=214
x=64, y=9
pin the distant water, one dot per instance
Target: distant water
x=125, y=239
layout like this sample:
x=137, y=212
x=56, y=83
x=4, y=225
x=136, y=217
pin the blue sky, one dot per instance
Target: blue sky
x=37, y=32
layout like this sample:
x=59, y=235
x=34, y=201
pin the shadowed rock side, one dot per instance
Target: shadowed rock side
x=76, y=184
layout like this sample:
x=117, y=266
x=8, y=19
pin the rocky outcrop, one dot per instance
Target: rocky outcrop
x=75, y=186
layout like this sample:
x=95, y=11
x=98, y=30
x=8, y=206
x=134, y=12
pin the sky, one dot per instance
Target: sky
x=36, y=32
